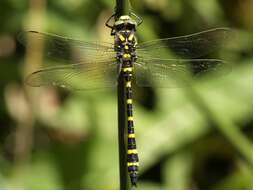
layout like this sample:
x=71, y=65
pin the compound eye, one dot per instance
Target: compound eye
x=130, y=26
x=120, y=26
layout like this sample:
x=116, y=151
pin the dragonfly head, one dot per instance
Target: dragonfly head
x=125, y=22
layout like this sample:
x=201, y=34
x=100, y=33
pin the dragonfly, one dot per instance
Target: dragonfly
x=91, y=65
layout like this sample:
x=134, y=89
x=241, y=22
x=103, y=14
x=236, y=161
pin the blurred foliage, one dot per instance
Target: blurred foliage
x=53, y=139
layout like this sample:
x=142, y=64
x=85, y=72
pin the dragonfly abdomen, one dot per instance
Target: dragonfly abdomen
x=132, y=154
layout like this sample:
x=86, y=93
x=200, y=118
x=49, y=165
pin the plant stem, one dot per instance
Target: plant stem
x=122, y=9
x=121, y=133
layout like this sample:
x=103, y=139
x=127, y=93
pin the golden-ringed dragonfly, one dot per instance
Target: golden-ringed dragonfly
x=98, y=65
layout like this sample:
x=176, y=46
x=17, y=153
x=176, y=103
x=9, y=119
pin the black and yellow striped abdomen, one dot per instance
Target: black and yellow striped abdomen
x=132, y=154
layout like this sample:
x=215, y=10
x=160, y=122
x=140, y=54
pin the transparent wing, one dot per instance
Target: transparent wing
x=175, y=72
x=66, y=49
x=86, y=75
x=189, y=46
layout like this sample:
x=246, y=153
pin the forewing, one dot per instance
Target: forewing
x=176, y=72
x=189, y=46
x=86, y=75
x=67, y=50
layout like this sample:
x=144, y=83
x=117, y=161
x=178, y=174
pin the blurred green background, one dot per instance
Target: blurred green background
x=193, y=139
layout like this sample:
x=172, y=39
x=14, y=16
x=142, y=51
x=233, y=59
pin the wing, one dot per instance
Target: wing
x=175, y=72
x=86, y=75
x=189, y=46
x=67, y=50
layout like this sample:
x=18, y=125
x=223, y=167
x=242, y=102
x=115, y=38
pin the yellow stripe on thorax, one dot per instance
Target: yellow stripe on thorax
x=130, y=118
x=122, y=38
x=132, y=151
x=130, y=38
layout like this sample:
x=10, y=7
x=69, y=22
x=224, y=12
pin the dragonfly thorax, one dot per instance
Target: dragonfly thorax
x=125, y=43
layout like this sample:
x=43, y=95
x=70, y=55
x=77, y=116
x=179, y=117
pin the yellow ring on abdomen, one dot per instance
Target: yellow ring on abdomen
x=130, y=118
x=132, y=164
x=128, y=69
x=128, y=84
x=132, y=151
x=131, y=135
x=129, y=101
